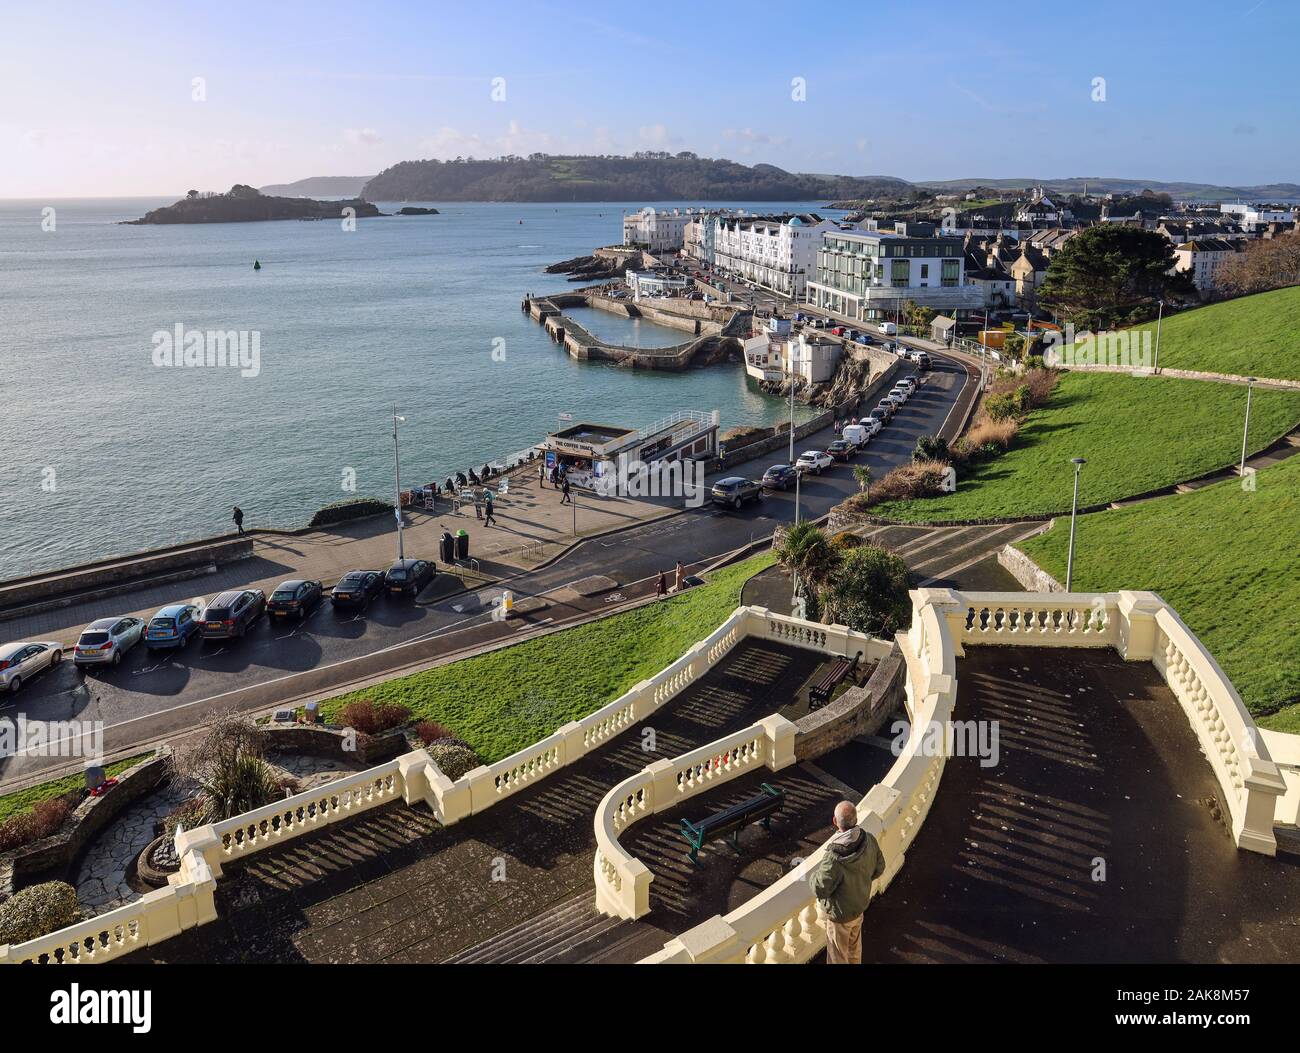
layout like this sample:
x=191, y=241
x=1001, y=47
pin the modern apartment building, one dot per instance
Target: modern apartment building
x=1252, y=217
x=1202, y=259
x=870, y=274
x=775, y=252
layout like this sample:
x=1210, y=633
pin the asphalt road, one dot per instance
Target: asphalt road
x=154, y=695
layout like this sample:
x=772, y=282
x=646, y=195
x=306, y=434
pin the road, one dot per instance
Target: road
x=155, y=695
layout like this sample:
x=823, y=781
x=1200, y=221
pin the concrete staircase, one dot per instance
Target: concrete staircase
x=558, y=934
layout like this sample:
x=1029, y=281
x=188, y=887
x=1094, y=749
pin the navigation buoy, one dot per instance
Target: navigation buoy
x=257, y=265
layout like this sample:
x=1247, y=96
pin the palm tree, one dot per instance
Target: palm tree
x=862, y=473
x=806, y=552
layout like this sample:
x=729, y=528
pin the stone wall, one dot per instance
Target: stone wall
x=1027, y=572
x=857, y=711
x=52, y=857
x=318, y=741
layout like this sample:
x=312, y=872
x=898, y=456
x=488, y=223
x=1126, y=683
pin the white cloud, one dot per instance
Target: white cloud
x=362, y=137
x=748, y=135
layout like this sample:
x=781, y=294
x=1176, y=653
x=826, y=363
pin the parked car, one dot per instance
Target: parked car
x=856, y=435
x=106, y=640
x=838, y=331
x=841, y=449
x=19, y=662
x=295, y=598
x=230, y=615
x=734, y=491
x=173, y=625
x=357, y=588
x=880, y=416
x=872, y=424
x=909, y=383
x=895, y=398
x=901, y=391
x=814, y=461
x=923, y=362
x=865, y=338
x=407, y=577
x=889, y=407
x=780, y=477
x=889, y=328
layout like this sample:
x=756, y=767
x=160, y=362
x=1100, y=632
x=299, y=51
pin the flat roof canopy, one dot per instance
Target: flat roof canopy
x=596, y=434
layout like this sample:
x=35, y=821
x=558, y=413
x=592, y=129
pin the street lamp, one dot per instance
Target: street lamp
x=1078, y=463
x=1159, y=318
x=1245, y=434
x=397, y=485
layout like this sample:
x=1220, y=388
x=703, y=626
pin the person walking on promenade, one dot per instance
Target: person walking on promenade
x=478, y=504
x=661, y=585
x=680, y=577
x=238, y=517
x=565, y=499
x=541, y=476
x=842, y=884
x=488, y=518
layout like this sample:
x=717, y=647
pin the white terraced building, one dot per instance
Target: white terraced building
x=775, y=252
x=871, y=274
x=655, y=230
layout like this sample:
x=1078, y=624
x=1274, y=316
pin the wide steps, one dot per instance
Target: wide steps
x=549, y=936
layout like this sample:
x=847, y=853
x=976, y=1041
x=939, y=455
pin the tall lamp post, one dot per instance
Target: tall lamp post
x=397, y=484
x=1078, y=463
x=1159, y=318
x=1245, y=434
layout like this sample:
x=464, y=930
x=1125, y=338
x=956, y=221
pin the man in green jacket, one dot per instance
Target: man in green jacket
x=842, y=885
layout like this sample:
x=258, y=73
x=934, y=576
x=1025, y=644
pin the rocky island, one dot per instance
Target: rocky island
x=246, y=204
x=413, y=210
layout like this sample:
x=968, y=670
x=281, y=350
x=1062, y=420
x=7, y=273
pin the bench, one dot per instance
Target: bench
x=759, y=808
x=821, y=691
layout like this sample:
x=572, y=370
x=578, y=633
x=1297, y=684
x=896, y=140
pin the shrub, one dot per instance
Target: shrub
x=1040, y=384
x=998, y=432
x=188, y=815
x=930, y=448
x=46, y=817
x=18, y=831
x=431, y=731
x=869, y=592
x=453, y=760
x=1007, y=405
x=962, y=450
x=370, y=717
x=352, y=508
x=38, y=910
x=908, y=481
x=226, y=762
x=845, y=540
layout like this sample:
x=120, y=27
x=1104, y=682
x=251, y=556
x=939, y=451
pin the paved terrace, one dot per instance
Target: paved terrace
x=1097, y=762
x=393, y=886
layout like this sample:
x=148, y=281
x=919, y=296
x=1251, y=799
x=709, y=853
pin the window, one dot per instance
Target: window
x=925, y=270
x=951, y=272
x=900, y=273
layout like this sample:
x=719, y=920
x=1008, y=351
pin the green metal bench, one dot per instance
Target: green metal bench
x=759, y=808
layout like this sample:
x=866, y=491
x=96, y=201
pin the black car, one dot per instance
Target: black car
x=357, y=588
x=734, y=491
x=295, y=598
x=406, y=577
x=880, y=415
x=229, y=616
x=841, y=449
x=780, y=477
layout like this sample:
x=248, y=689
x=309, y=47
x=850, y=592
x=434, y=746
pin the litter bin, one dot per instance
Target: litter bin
x=448, y=547
x=462, y=544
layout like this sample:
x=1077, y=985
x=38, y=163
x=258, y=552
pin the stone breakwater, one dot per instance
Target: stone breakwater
x=715, y=333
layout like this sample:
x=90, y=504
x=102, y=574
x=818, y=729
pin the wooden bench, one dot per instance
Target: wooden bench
x=759, y=808
x=821, y=691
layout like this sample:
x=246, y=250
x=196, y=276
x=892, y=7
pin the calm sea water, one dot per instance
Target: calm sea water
x=103, y=452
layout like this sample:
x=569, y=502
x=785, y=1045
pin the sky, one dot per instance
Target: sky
x=154, y=99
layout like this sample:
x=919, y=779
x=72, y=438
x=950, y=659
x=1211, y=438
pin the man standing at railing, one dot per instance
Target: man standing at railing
x=842, y=885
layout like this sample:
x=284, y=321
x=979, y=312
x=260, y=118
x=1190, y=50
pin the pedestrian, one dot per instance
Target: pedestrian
x=238, y=517
x=565, y=499
x=661, y=586
x=842, y=884
x=680, y=575
x=488, y=519
x=555, y=476
x=541, y=476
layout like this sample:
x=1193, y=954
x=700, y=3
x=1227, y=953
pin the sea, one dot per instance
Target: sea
x=110, y=443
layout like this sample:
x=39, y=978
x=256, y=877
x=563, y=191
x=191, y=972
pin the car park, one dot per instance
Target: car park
x=357, y=588
x=19, y=662
x=295, y=598
x=231, y=614
x=814, y=461
x=407, y=577
x=735, y=490
x=173, y=625
x=780, y=477
x=841, y=449
x=106, y=640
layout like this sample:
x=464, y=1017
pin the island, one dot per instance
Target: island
x=246, y=204
x=413, y=210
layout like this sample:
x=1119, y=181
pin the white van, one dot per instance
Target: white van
x=856, y=434
x=889, y=328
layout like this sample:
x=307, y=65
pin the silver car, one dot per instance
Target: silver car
x=105, y=641
x=19, y=662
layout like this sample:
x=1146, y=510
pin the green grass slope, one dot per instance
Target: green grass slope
x=1138, y=434
x=509, y=699
x=1249, y=336
x=1225, y=559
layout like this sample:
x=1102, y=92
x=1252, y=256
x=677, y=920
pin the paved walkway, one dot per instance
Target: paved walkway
x=393, y=886
x=1094, y=838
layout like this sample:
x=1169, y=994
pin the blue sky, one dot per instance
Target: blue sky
x=99, y=104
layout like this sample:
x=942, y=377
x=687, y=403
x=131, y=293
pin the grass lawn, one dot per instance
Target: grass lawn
x=20, y=801
x=1249, y=336
x=1225, y=559
x=1138, y=434
x=509, y=699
